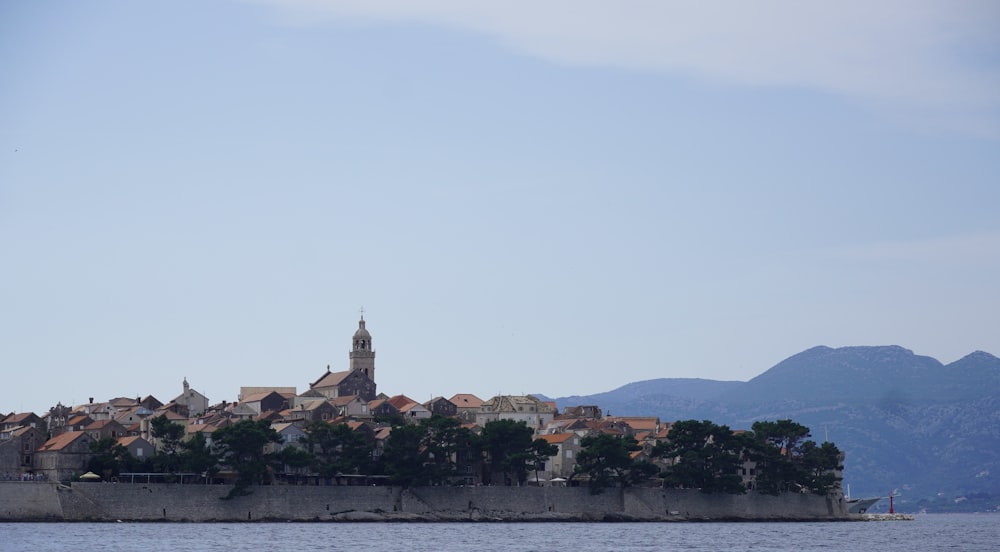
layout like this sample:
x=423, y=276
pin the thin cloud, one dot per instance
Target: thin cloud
x=931, y=60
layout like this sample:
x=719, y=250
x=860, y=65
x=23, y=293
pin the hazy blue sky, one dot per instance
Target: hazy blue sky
x=556, y=197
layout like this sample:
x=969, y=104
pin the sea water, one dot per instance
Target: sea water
x=974, y=532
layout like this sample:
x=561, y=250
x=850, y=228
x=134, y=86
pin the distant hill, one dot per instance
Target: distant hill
x=909, y=424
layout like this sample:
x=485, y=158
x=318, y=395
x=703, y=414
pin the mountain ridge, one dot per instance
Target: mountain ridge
x=909, y=424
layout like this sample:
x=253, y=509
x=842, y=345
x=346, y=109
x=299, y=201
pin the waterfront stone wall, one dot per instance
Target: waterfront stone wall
x=166, y=502
x=29, y=500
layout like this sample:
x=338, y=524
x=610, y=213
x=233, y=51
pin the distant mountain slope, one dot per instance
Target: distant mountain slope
x=846, y=375
x=685, y=394
x=906, y=422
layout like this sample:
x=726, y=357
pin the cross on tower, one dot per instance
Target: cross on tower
x=362, y=311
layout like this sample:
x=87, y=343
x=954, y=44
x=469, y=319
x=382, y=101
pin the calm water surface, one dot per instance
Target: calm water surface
x=926, y=532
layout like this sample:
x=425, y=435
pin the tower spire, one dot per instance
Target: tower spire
x=362, y=354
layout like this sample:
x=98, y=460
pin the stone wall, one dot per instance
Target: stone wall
x=29, y=500
x=148, y=502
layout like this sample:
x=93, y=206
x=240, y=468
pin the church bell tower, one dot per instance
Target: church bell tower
x=362, y=355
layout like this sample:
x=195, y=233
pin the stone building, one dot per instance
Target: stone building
x=563, y=462
x=527, y=409
x=189, y=403
x=17, y=451
x=64, y=457
x=359, y=379
x=440, y=406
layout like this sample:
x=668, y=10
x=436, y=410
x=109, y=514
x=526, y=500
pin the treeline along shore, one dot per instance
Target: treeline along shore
x=111, y=502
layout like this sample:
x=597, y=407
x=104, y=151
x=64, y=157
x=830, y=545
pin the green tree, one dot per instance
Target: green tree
x=295, y=457
x=787, y=461
x=607, y=461
x=819, y=467
x=443, y=442
x=168, y=436
x=337, y=449
x=404, y=457
x=432, y=452
x=195, y=456
x=242, y=447
x=540, y=453
x=703, y=456
x=507, y=444
x=108, y=457
x=785, y=435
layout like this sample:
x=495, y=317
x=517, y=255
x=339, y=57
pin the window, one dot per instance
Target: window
x=569, y=454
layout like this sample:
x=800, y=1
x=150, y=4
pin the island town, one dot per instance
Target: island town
x=340, y=432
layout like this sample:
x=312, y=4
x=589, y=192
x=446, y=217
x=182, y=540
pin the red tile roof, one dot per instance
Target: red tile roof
x=330, y=379
x=466, y=400
x=556, y=438
x=400, y=401
x=61, y=441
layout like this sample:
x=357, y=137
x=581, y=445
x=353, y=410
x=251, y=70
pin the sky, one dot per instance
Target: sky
x=524, y=197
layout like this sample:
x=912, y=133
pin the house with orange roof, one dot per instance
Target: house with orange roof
x=563, y=462
x=581, y=426
x=138, y=447
x=105, y=429
x=265, y=401
x=172, y=416
x=78, y=422
x=24, y=419
x=364, y=428
x=414, y=412
x=467, y=406
x=64, y=457
x=119, y=404
x=133, y=416
x=399, y=401
x=611, y=426
x=96, y=411
x=291, y=436
x=274, y=416
x=380, y=437
x=17, y=450
x=312, y=411
x=206, y=429
x=649, y=424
